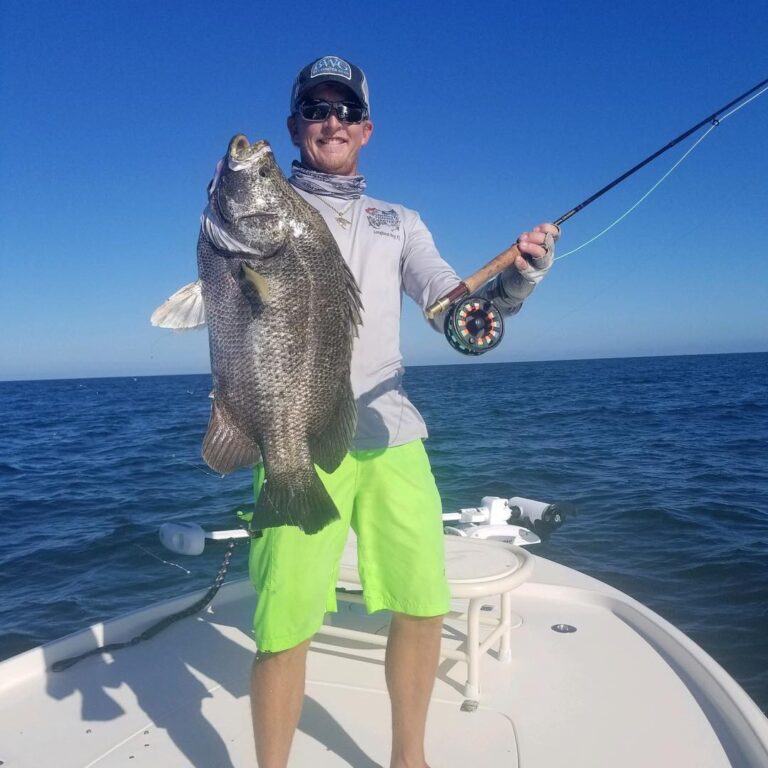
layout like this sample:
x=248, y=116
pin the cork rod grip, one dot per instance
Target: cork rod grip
x=492, y=268
x=475, y=281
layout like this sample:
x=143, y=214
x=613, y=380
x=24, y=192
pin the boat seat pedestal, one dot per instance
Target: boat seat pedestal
x=476, y=570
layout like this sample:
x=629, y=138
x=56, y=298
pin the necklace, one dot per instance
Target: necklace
x=340, y=220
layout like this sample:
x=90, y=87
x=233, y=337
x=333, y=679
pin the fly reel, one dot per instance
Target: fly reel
x=473, y=326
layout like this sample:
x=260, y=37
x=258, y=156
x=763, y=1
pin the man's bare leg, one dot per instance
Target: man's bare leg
x=413, y=652
x=277, y=694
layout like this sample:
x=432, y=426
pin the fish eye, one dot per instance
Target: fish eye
x=263, y=172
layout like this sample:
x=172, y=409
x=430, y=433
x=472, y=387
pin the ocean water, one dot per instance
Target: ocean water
x=665, y=458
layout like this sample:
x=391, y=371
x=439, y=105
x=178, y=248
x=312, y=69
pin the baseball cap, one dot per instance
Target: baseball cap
x=330, y=69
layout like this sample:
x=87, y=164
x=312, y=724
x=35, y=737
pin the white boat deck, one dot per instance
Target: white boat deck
x=626, y=689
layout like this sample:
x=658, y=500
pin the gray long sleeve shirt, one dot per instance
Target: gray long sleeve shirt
x=390, y=252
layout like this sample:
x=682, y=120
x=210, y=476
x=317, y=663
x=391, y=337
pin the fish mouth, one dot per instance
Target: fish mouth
x=256, y=215
x=242, y=152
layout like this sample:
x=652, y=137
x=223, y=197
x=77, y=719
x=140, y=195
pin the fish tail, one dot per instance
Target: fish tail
x=308, y=506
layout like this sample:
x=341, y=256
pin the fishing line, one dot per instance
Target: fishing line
x=200, y=469
x=644, y=197
x=165, y=562
x=744, y=104
x=715, y=123
x=186, y=463
x=473, y=325
x=625, y=273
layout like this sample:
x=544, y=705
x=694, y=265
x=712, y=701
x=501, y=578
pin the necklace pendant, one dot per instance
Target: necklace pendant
x=342, y=222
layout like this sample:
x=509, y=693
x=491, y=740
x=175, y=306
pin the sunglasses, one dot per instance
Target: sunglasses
x=317, y=110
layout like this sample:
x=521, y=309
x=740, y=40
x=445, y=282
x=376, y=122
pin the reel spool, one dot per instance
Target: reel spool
x=473, y=326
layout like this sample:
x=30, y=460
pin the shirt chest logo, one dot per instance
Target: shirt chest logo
x=387, y=221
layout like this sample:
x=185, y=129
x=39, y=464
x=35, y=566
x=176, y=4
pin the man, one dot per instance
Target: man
x=384, y=488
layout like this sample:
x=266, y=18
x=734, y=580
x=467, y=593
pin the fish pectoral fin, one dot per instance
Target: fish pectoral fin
x=329, y=445
x=254, y=286
x=225, y=447
x=184, y=311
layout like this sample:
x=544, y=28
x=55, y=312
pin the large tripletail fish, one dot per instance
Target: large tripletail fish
x=282, y=309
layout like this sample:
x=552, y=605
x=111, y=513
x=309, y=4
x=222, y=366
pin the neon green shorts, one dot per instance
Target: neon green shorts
x=390, y=499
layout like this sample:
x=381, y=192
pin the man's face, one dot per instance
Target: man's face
x=330, y=146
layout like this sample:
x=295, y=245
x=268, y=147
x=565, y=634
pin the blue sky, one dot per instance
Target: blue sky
x=489, y=118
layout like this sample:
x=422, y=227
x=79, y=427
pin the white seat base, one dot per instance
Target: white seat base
x=476, y=570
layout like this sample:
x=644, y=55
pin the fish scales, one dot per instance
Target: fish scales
x=282, y=309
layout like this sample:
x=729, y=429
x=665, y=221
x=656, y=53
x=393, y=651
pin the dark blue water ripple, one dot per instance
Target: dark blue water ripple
x=665, y=459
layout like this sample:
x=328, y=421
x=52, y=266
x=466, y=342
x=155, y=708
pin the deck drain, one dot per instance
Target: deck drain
x=564, y=628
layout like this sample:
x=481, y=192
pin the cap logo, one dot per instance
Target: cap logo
x=331, y=65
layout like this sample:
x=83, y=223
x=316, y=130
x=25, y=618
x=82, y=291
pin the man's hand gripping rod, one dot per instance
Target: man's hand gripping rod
x=506, y=258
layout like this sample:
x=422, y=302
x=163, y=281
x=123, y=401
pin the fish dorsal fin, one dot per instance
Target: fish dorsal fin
x=355, y=305
x=183, y=311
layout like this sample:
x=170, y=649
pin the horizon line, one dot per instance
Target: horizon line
x=414, y=365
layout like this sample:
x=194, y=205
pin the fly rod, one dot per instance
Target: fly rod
x=506, y=258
